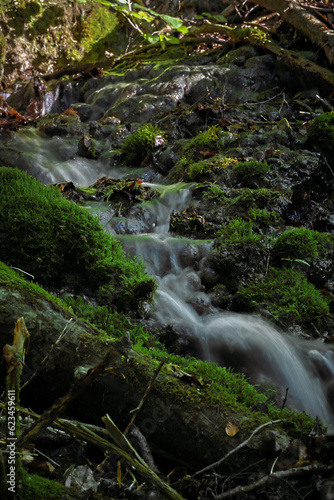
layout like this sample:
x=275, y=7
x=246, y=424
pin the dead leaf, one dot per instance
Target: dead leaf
x=231, y=428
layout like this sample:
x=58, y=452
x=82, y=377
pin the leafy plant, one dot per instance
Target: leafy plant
x=135, y=13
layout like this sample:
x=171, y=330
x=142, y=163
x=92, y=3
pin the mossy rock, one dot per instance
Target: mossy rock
x=299, y=244
x=286, y=294
x=60, y=243
x=321, y=134
x=249, y=172
x=136, y=147
x=34, y=487
x=238, y=254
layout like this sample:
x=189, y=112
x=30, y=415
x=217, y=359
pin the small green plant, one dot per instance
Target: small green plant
x=262, y=217
x=137, y=14
x=137, y=145
x=248, y=170
x=299, y=243
x=213, y=193
x=198, y=169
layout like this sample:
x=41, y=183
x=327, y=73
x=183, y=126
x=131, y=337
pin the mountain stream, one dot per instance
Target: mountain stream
x=245, y=343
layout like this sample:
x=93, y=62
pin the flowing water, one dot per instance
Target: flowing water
x=247, y=344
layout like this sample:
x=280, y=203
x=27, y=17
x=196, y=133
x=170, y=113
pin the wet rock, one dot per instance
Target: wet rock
x=63, y=125
x=270, y=441
x=236, y=264
x=88, y=148
x=201, y=302
x=209, y=277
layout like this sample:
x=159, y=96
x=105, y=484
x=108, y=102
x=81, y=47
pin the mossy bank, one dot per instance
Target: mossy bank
x=61, y=244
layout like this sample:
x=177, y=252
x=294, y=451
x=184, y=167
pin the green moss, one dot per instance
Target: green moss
x=140, y=143
x=15, y=280
x=216, y=387
x=299, y=243
x=214, y=193
x=214, y=138
x=321, y=133
x=98, y=30
x=248, y=170
x=263, y=218
x=287, y=294
x=111, y=324
x=237, y=232
x=61, y=243
x=254, y=36
x=34, y=487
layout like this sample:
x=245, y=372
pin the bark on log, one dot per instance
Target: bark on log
x=304, y=22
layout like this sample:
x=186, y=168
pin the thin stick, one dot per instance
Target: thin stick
x=241, y=445
x=59, y=406
x=149, y=387
x=285, y=398
x=63, y=333
x=282, y=474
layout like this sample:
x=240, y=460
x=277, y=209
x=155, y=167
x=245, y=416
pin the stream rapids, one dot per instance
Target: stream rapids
x=247, y=344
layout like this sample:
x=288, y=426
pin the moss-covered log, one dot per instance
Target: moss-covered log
x=184, y=415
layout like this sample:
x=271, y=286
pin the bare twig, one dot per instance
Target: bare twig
x=59, y=406
x=285, y=397
x=275, y=475
x=151, y=382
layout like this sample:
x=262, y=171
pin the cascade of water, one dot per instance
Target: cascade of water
x=53, y=159
x=248, y=344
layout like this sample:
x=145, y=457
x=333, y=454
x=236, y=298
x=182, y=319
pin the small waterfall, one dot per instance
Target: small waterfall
x=247, y=344
x=52, y=159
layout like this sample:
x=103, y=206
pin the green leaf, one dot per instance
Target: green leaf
x=152, y=38
x=172, y=21
x=216, y=17
x=183, y=29
x=141, y=7
x=102, y=2
x=172, y=39
x=162, y=41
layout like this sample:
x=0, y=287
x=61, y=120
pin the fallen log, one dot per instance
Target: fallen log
x=177, y=416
